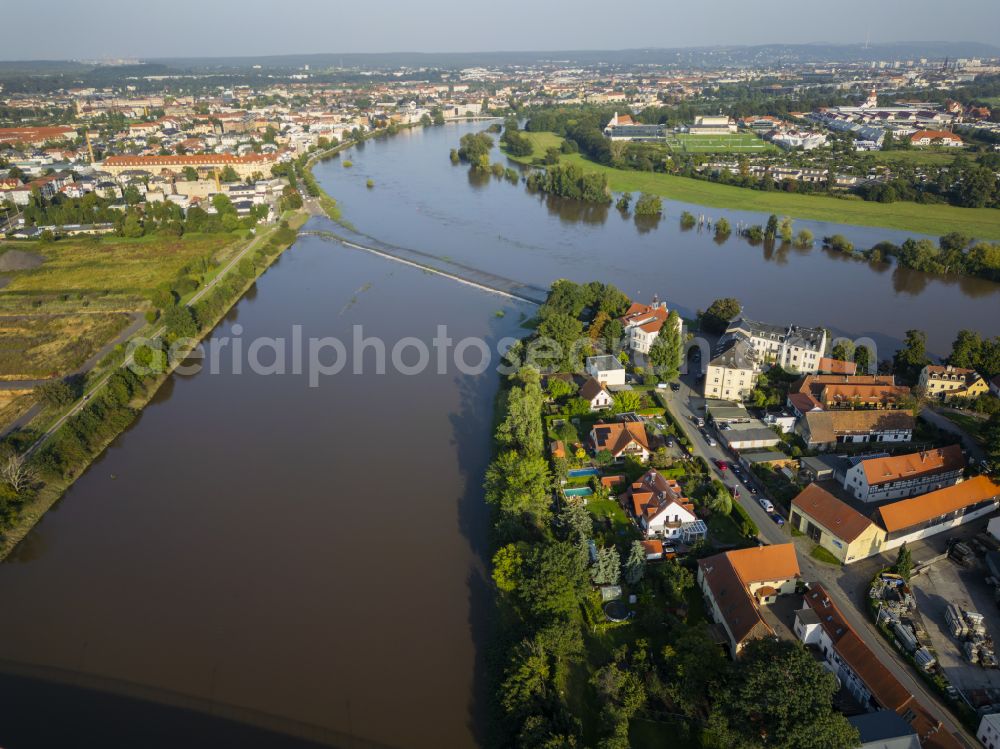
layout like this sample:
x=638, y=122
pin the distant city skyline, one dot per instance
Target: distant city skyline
x=102, y=29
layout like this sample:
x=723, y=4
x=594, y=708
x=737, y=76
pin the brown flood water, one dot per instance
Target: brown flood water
x=308, y=555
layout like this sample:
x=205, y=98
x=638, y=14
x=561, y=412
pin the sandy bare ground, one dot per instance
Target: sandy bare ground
x=13, y=260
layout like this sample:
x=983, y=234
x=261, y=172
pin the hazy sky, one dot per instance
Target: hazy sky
x=61, y=29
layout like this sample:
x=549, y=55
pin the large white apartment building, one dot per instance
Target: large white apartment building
x=794, y=348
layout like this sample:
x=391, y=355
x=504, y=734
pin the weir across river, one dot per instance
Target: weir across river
x=436, y=264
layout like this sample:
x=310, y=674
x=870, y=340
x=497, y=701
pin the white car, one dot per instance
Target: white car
x=766, y=504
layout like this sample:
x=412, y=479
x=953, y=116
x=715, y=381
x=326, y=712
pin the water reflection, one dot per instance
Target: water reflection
x=646, y=224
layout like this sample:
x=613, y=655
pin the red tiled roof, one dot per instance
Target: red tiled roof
x=912, y=465
x=35, y=134
x=836, y=366
x=884, y=687
x=910, y=512
x=838, y=518
x=198, y=159
x=934, y=135
x=616, y=436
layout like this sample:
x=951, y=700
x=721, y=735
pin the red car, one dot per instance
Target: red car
x=723, y=465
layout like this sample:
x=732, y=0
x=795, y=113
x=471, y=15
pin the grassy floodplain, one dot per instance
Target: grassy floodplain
x=933, y=220
x=56, y=315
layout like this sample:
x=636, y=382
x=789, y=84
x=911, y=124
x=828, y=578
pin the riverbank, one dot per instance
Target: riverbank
x=54, y=486
x=933, y=220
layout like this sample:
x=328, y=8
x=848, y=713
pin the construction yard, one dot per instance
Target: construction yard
x=945, y=619
x=946, y=583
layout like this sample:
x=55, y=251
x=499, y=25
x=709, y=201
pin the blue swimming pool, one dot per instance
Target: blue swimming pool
x=580, y=491
x=575, y=473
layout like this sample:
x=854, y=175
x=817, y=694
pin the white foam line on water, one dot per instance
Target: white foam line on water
x=429, y=269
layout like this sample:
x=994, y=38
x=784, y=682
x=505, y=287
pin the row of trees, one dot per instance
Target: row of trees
x=954, y=253
x=570, y=181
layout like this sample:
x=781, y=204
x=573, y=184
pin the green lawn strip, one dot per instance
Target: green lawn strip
x=933, y=220
x=919, y=157
x=823, y=555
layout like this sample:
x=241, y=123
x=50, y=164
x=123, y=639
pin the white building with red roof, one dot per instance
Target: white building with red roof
x=643, y=322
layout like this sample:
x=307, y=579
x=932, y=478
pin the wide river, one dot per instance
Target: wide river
x=257, y=558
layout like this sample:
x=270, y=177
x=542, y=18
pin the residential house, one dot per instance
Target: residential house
x=606, y=369
x=643, y=322
x=737, y=583
x=823, y=430
x=900, y=476
x=912, y=519
x=596, y=395
x=946, y=382
x=662, y=511
x=622, y=439
x=821, y=625
x=834, y=525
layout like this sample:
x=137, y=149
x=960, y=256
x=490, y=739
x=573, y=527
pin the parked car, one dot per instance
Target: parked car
x=709, y=439
x=751, y=488
x=723, y=465
x=766, y=504
x=777, y=519
x=675, y=386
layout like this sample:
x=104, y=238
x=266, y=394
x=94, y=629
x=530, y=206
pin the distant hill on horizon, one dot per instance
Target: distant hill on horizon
x=680, y=56
x=683, y=57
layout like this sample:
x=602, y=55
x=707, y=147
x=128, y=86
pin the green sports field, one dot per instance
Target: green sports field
x=733, y=143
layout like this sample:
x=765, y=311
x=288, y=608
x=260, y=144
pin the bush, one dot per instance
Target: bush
x=648, y=205
x=747, y=526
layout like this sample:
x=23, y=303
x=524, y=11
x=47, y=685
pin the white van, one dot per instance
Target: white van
x=766, y=504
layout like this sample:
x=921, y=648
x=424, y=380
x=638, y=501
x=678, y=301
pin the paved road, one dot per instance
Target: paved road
x=686, y=403
x=974, y=449
x=79, y=405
